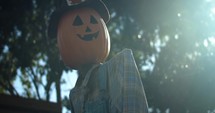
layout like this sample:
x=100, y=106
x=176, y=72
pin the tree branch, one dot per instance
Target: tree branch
x=9, y=87
x=34, y=79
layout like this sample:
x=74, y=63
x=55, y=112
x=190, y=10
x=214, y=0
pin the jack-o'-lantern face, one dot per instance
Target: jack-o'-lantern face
x=89, y=35
x=83, y=38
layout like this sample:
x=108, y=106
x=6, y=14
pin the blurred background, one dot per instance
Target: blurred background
x=173, y=42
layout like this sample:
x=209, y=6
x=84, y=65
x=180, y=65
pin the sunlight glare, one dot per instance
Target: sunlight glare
x=205, y=43
x=176, y=36
x=179, y=14
x=212, y=40
x=213, y=10
x=208, y=0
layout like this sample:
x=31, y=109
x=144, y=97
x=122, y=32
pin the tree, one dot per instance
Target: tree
x=25, y=48
x=174, y=45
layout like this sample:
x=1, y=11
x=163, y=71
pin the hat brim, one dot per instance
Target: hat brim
x=55, y=17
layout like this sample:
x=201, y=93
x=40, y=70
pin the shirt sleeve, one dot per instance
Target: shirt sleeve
x=125, y=86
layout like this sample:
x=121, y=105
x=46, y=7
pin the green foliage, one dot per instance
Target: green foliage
x=173, y=43
x=25, y=48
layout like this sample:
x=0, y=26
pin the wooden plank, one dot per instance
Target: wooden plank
x=23, y=105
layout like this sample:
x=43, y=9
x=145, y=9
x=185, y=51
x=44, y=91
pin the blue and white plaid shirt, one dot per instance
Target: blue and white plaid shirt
x=121, y=88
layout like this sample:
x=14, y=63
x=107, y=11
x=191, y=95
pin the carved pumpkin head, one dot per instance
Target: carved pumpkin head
x=83, y=38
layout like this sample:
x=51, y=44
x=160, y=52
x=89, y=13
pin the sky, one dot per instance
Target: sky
x=69, y=77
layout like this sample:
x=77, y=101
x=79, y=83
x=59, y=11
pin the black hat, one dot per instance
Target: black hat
x=68, y=5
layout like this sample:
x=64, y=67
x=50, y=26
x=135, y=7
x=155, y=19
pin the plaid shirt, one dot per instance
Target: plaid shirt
x=121, y=80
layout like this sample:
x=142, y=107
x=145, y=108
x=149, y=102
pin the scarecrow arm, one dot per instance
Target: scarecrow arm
x=126, y=89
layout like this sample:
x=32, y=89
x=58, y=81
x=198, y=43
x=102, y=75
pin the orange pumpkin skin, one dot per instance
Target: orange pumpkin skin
x=83, y=38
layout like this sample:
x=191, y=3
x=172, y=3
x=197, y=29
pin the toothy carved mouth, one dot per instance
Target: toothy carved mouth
x=89, y=37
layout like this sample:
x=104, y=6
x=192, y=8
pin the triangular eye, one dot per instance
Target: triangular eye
x=93, y=20
x=77, y=21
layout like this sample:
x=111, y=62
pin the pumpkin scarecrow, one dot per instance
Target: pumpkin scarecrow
x=113, y=86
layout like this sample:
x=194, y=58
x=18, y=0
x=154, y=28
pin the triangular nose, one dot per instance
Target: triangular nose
x=88, y=29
